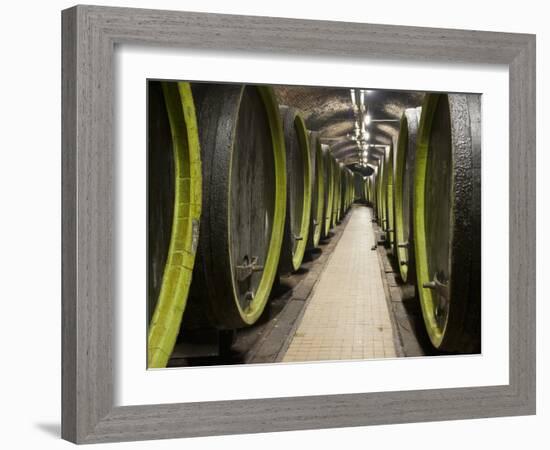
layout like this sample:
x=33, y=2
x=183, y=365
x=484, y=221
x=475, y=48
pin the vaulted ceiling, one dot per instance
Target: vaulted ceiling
x=330, y=112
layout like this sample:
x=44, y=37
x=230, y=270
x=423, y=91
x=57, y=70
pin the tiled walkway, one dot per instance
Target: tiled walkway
x=347, y=316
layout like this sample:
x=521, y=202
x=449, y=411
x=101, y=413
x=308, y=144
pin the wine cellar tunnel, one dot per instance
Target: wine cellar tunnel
x=294, y=224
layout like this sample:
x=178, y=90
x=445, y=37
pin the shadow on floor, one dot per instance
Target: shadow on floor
x=52, y=429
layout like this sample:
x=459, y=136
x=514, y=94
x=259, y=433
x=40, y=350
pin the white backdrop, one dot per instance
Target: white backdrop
x=30, y=226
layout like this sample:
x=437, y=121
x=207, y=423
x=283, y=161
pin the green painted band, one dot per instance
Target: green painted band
x=176, y=279
x=427, y=300
x=254, y=309
x=298, y=255
x=388, y=192
x=319, y=180
x=400, y=158
x=329, y=184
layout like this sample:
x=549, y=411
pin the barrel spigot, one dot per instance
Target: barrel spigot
x=246, y=269
x=438, y=286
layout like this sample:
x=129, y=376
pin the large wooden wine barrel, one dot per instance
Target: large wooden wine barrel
x=370, y=189
x=328, y=167
x=173, y=213
x=352, y=182
x=388, y=198
x=298, y=199
x=373, y=191
x=358, y=186
x=380, y=193
x=340, y=176
x=339, y=191
x=318, y=191
x=334, y=193
x=372, y=200
x=336, y=199
x=447, y=226
x=350, y=189
x=244, y=204
x=343, y=190
x=403, y=188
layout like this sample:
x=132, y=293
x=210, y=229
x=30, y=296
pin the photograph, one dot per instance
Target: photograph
x=296, y=224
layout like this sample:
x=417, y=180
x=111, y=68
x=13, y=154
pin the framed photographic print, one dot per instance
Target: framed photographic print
x=267, y=230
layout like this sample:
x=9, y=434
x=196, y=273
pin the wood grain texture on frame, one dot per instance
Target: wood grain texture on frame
x=88, y=198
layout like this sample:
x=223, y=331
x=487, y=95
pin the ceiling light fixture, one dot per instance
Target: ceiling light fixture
x=361, y=116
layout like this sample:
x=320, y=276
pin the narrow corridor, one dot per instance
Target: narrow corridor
x=347, y=316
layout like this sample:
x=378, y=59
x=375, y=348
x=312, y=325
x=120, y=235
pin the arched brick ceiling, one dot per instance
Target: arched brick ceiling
x=328, y=110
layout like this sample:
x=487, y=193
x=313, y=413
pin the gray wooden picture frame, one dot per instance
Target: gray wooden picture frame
x=90, y=34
